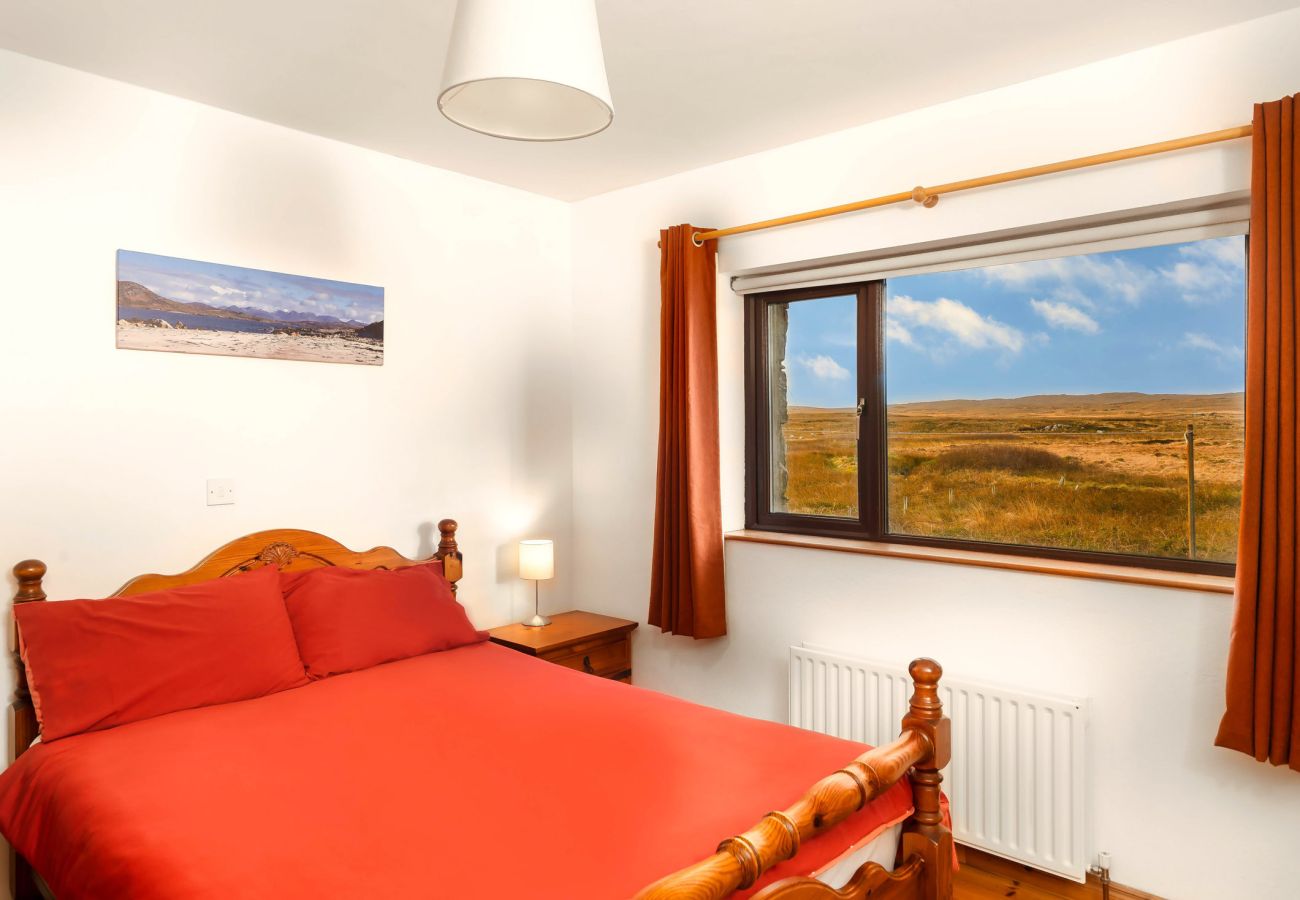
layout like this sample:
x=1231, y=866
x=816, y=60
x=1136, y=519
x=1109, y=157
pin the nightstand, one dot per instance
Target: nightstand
x=588, y=642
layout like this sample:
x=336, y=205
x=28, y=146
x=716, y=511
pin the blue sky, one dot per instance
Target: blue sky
x=1167, y=319
x=191, y=281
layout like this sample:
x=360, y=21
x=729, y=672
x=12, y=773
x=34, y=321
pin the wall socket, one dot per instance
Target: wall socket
x=221, y=491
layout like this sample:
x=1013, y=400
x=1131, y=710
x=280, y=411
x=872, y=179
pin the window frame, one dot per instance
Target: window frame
x=758, y=446
x=872, y=522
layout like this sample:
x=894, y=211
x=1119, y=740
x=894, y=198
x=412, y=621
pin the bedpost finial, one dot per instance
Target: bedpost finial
x=30, y=570
x=925, y=702
x=925, y=671
x=29, y=573
x=447, y=542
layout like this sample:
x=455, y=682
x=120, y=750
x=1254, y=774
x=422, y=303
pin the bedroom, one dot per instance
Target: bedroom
x=519, y=391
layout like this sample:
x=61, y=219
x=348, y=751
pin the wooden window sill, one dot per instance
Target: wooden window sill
x=1216, y=584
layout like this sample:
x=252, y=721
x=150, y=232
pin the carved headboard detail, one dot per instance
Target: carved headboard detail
x=289, y=548
x=281, y=554
x=292, y=549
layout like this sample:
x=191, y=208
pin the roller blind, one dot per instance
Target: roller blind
x=1220, y=217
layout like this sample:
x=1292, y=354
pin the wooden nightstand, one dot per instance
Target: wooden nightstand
x=588, y=642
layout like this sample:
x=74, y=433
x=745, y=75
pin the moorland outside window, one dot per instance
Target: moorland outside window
x=1082, y=407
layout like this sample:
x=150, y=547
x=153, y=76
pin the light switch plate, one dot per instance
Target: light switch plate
x=221, y=491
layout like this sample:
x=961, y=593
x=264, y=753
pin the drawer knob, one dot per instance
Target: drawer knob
x=586, y=666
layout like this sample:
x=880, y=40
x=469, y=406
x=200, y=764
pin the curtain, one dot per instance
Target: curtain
x=686, y=588
x=1263, y=690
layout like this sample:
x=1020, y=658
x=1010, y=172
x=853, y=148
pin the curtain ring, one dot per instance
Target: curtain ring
x=695, y=239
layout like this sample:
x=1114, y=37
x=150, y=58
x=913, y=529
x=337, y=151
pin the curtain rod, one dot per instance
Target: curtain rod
x=928, y=197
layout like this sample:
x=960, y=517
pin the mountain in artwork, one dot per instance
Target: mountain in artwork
x=132, y=295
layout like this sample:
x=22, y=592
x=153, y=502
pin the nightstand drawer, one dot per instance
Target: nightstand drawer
x=605, y=659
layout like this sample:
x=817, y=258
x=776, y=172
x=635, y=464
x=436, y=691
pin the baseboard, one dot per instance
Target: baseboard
x=1064, y=887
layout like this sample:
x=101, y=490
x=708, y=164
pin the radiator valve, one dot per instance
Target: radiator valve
x=1102, y=871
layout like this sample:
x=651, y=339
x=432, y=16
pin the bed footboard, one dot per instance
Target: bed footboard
x=924, y=870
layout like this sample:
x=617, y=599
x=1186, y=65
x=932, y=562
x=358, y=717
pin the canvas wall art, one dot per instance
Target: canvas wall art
x=187, y=306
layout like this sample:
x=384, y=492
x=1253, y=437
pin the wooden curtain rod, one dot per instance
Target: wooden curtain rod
x=928, y=197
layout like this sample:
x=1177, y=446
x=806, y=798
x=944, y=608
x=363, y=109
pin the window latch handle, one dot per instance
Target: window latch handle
x=861, y=405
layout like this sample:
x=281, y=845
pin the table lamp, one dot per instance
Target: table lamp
x=537, y=562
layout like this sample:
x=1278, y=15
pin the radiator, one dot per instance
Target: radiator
x=1016, y=783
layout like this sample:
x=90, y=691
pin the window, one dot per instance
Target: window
x=1086, y=406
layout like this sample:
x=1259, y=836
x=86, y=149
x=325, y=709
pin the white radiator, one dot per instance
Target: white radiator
x=1017, y=778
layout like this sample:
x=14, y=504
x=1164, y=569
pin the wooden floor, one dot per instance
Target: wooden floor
x=986, y=877
x=973, y=883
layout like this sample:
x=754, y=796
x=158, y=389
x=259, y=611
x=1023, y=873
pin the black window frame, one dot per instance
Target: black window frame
x=872, y=523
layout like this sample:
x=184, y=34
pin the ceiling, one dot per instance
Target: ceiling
x=693, y=82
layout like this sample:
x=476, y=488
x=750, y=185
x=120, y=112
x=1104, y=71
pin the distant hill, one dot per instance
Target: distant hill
x=373, y=330
x=289, y=315
x=1109, y=404
x=132, y=295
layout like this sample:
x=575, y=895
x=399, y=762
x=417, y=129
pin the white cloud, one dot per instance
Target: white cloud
x=1226, y=251
x=1206, y=271
x=1063, y=315
x=1194, y=341
x=223, y=291
x=1209, y=270
x=1078, y=278
x=822, y=366
x=954, y=319
x=896, y=331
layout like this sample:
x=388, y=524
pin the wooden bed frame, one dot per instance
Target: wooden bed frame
x=925, y=857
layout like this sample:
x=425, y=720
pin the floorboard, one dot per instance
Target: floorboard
x=983, y=876
x=973, y=883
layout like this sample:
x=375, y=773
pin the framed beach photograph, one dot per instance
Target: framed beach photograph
x=188, y=306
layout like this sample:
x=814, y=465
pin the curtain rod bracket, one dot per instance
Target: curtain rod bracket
x=924, y=197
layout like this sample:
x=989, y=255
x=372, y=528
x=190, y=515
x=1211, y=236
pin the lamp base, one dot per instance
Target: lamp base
x=538, y=621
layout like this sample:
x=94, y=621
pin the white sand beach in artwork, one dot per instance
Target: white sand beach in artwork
x=309, y=347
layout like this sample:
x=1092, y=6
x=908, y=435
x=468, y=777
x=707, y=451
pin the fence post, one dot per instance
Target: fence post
x=1190, y=436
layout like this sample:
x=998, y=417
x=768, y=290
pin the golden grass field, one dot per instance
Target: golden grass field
x=1103, y=472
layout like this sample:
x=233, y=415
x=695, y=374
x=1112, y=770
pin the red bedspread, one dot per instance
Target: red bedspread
x=476, y=772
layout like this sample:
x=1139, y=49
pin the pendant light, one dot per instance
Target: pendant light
x=527, y=70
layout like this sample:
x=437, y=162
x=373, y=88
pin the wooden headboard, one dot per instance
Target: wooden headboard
x=288, y=548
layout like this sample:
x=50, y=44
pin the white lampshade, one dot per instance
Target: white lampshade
x=528, y=70
x=536, y=560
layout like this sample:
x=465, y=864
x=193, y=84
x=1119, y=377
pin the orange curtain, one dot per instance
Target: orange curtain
x=686, y=589
x=1263, y=715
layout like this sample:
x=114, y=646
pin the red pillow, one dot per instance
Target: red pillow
x=349, y=619
x=93, y=664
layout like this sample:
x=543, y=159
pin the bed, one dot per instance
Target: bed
x=410, y=778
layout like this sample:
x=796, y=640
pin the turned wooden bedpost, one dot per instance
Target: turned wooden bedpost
x=29, y=573
x=449, y=551
x=924, y=834
x=925, y=859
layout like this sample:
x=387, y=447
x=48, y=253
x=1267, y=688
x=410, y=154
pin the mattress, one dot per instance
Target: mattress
x=476, y=772
x=881, y=849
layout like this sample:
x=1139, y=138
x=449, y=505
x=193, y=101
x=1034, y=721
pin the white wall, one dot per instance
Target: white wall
x=104, y=452
x=475, y=413
x=1181, y=818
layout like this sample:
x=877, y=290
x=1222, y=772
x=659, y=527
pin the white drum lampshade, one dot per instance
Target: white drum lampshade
x=528, y=70
x=537, y=563
x=536, y=560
